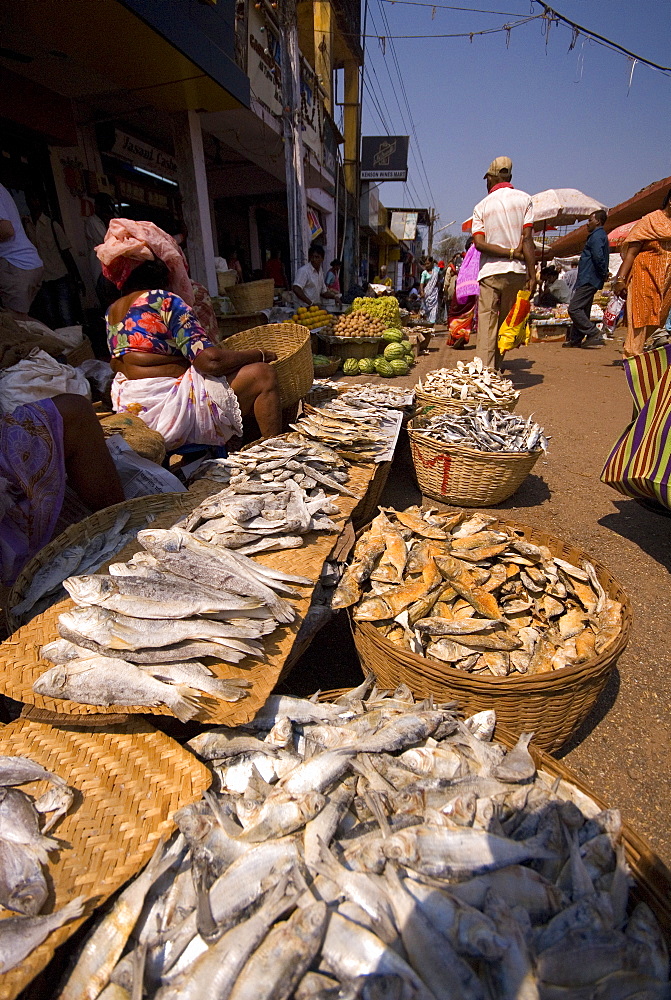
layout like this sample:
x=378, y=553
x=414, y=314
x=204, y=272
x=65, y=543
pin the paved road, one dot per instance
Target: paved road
x=581, y=397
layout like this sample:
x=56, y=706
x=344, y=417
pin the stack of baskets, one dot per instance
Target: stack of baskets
x=466, y=477
x=551, y=705
x=291, y=344
x=429, y=404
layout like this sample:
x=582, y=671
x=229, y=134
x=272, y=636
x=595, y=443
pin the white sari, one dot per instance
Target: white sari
x=191, y=409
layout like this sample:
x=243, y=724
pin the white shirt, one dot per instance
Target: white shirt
x=310, y=282
x=49, y=242
x=570, y=278
x=501, y=218
x=18, y=251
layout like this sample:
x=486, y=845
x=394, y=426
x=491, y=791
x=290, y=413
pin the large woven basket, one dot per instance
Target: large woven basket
x=325, y=371
x=652, y=877
x=82, y=532
x=428, y=404
x=233, y=323
x=226, y=280
x=551, y=705
x=252, y=295
x=129, y=782
x=291, y=344
x=463, y=476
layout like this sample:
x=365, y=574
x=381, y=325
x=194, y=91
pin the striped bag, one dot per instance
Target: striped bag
x=639, y=465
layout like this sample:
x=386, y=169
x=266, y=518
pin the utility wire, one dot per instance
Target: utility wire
x=404, y=94
x=465, y=34
x=578, y=29
x=442, y=6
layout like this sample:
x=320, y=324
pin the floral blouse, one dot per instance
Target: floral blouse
x=158, y=322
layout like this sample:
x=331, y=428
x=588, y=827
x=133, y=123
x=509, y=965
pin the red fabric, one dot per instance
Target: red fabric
x=501, y=184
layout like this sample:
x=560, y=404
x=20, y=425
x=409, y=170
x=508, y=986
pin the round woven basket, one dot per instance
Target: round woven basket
x=428, y=404
x=325, y=371
x=82, y=532
x=291, y=344
x=551, y=705
x=652, y=877
x=463, y=476
x=252, y=296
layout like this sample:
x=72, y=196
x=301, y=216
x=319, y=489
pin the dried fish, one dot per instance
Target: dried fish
x=486, y=430
x=469, y=382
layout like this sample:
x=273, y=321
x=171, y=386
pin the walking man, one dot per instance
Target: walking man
x=592, y=273
x=502, y=228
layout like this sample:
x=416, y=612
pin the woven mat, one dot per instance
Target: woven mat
x=20, y=652
x=129, y=781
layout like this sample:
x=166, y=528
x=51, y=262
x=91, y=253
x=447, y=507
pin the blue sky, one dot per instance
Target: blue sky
x=567, y=119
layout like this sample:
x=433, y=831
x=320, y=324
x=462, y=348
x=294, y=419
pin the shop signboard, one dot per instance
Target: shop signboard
x=404, y=225
x=370, y=207
x=263, y=61
x=384, y=158
x=143, y=154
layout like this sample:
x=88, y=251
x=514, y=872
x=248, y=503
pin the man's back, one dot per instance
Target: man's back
x=500, y=217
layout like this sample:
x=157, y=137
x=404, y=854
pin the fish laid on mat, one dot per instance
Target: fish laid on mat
x=498, y=605
x=165, y=597
x=369, y=394
x=469, y=382
x=486, y=430
x=426, y=862
x=21, y=935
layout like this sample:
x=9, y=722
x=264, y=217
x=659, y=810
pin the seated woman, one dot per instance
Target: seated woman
x=167, y=370
x=43, y=445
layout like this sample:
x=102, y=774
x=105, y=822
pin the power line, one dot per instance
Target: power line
x=375, y=101
x=552, y=15
x=408, y=108
x=398, y=103
x=442, y=6
x=464, y=34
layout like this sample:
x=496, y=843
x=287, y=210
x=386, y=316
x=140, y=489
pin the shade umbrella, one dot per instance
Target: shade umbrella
x=561, y=207
x=619, y=236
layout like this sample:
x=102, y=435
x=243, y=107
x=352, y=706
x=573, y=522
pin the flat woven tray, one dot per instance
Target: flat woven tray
x=466, y=477
x=20, y=652
x=652, y=877
x=130, y=782
x=550, y=705
x=82, y=532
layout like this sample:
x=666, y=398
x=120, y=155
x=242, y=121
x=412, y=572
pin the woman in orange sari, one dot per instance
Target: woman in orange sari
x=646, y=273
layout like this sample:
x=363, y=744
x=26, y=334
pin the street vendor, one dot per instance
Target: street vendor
x=167, y=370
x=43, y=445
x=309, y=285
x=383, y=278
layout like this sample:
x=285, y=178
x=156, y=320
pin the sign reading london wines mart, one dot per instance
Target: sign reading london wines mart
x=384, y=158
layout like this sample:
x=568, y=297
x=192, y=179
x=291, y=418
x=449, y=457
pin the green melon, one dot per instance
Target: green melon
x=319, y=360
x=399, y=367
x=383, y=367
x=392, y=335
x=351, y=366
x=394, y=352
x=367, y=366
x=407, y=346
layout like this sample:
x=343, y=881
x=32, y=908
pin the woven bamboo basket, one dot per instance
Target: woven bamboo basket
x=226, y=280
x=232, y=323
x=466, y=477
x=551, y=705
x=353, y=347
x=291, y=344
x=252, y=296
x=652, y=877
x=82, y=532
x=129, y=782
x=82, y=352
x=325, y=371
x=428, y=404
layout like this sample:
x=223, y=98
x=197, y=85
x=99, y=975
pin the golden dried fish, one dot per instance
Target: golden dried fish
x=541, y=660
x=456, y=626
x=572, y=623
x=497, y=662
x=480, y=554
x=417, y=524
x=463, y=582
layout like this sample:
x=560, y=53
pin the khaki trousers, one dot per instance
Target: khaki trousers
x=497, y=297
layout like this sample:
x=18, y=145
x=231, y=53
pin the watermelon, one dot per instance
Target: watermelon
x=383, y=367
x=399, y=367
x=318, y=360
x=351, y=366
x=394, y=351
x=392, y=335
x=367, y=366
x=407, y=346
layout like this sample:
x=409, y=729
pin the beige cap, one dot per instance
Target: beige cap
x=502, y=166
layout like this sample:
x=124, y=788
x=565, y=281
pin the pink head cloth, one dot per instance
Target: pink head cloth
x=129, y=243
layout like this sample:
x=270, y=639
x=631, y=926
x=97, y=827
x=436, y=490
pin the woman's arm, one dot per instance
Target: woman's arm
x=218, y=361
x=625, y=267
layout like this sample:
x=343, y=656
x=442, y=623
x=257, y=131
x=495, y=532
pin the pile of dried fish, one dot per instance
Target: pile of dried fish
x=469, y=382
x=379, y=849
x=486, y=430
x=24, y=853
x=355, y=429
x=453, y=588
x=137, y=635
x=46, y=585
x=379, y=395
